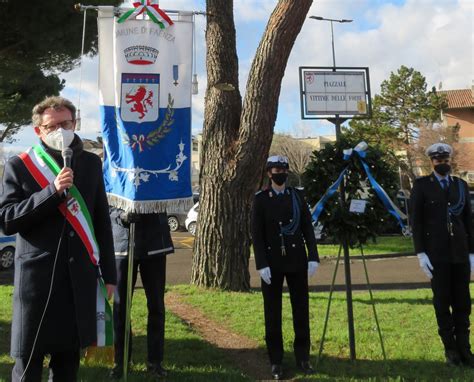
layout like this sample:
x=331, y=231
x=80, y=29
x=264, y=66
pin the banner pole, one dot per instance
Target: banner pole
x=81, y=8
x=131, y=251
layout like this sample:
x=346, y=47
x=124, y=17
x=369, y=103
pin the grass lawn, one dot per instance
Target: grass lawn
x=187, y=356
x=384, y=245
x=407, y=319
x=413, y=348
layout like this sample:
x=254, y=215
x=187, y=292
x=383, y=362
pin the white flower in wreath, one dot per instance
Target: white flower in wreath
x=406, y=231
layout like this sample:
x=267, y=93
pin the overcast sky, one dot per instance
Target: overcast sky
x=433, y=36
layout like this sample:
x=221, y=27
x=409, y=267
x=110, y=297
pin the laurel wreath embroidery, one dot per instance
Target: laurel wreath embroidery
x=155, y=136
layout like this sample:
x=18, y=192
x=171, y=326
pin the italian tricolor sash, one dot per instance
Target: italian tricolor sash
x=44, y=170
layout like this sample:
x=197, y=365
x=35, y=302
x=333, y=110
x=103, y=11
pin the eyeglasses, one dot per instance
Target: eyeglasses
x=66, y=125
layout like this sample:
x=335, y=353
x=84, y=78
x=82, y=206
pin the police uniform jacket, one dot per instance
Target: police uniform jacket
x=269, y=210
x=152, y=235
x=32, y=213
x=429, y=216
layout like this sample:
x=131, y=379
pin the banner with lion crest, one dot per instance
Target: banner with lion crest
x=145, y=102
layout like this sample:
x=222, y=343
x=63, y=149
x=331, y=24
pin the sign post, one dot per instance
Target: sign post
x=337, y=94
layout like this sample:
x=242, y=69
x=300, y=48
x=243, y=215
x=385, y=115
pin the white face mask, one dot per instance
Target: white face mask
x=60, y=138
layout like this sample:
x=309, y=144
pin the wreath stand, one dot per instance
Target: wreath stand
x=372, y=302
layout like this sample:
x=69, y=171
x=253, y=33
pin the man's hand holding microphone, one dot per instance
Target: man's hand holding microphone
x=64, y=180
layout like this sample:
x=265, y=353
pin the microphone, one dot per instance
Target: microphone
x=66, y=153
x=67, y=156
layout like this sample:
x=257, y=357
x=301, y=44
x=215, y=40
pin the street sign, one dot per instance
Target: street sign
x=334, y=92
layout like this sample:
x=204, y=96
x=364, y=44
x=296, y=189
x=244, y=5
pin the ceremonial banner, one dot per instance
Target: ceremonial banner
x=145, y=102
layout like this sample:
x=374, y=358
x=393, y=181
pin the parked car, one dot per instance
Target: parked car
x=176, y=220
x=191, y=219
x=7, y=251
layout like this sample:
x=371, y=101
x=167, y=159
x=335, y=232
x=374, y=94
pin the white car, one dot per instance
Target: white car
x=191, y=220
x=7, y=251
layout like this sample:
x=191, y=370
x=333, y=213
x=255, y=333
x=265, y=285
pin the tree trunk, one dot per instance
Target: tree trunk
x=236, y=139
x=8, y=132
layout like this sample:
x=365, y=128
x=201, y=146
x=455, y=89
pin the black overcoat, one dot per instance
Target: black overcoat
x=429, y=218
x=32, y=213
x=269, y=210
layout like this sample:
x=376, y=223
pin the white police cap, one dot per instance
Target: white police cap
x=279, y=161
x=439, y=150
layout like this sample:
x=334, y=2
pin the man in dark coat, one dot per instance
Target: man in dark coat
x=52, y=265
x=281, y=229
x=444, y=243
x=152, y=244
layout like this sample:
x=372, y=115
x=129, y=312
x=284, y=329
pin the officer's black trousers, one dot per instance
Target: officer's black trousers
x=272, y=300
x=451, y=300
x=153, y=276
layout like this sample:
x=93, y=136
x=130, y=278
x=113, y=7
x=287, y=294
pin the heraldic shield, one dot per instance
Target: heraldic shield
x=140, y=97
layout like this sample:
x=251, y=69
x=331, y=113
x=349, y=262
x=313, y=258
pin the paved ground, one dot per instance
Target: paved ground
x=391, y=273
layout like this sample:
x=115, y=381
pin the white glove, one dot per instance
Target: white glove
x=312, y=267
x=425, y=264
x=265, y=274
x=471, y=260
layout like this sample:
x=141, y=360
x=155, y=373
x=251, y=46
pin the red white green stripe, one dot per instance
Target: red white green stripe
x=44, y=170
x=153, y=11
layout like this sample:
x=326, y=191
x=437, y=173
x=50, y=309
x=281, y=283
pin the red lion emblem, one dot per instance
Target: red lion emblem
x=139, y=101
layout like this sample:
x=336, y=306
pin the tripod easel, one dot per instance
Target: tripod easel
x=331, y=290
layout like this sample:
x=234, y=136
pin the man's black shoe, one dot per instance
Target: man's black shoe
x=452, y=358
x=467, y=358
x=277, y=372
x=305, y=367
x=117, y=372
x=157, y=369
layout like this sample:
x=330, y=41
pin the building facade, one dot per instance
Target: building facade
x=460, y=111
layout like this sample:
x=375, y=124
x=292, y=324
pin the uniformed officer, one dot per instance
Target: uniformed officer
x=281, y=228
x=444, y=243
x=152, y=244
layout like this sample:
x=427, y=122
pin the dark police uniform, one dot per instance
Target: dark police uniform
x=442, y=228
x=152, y=244
x=286, y=256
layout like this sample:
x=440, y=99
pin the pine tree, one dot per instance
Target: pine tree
x=402, y=106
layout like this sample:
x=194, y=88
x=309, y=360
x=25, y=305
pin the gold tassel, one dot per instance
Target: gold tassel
x=103, y=355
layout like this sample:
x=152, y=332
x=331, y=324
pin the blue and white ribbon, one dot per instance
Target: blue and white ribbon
x=319, y=207
x=360, y=149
